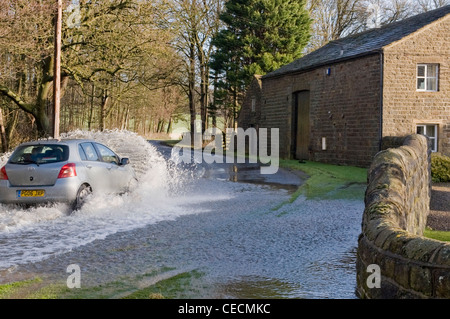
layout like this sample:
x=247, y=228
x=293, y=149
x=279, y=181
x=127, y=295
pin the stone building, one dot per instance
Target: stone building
x=337, y=103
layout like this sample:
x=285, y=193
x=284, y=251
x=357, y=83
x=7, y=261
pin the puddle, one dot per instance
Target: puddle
x=258, y=288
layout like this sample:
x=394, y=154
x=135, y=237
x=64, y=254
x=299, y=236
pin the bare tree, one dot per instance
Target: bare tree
x=333, y=19
x=376, y=13
x=107, y=46
x=196, y=21
x=427, y=5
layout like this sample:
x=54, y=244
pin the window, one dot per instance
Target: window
x=82, y=153
x=427, y=77
x=253, y=105
x=89, y=152
x=107, y=155
x=430, y=130
x=40, y=154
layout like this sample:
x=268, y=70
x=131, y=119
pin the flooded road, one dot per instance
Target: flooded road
x=237, y=229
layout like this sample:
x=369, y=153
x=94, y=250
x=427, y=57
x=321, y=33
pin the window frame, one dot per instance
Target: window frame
x=103, y=157
x=86, y=144
x=425, y=77
x=434, y=138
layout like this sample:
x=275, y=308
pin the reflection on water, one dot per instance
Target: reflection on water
x=250, y=173
x=254, y=287
x=342, y=262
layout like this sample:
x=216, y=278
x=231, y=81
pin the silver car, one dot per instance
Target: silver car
x=63, y=171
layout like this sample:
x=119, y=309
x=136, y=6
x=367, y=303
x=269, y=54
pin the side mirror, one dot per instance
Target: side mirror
x=124, y=161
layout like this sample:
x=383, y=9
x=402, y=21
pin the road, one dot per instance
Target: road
x=228, y=223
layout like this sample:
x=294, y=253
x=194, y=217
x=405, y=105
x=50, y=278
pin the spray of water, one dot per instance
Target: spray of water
x=159, y=195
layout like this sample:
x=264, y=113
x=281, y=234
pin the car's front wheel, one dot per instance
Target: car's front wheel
x=83, y=193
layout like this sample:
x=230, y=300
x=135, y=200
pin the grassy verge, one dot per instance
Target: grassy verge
x=436, y=234
x=35, y=288
x=328, y=181
x=16, y=289
x=179, y=286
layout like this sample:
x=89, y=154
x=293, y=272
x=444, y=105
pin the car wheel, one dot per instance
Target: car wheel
x=83, y=192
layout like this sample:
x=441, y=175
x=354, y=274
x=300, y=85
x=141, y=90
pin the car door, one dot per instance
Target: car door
x=96, y=171
x=117, y=173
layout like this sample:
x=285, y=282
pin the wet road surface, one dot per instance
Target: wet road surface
x=227, y=222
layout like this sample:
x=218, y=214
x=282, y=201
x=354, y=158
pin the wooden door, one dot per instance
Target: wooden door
x=302, y=127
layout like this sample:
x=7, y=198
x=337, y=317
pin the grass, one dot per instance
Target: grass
x=328, y=181
x=436, y=234
x=181, y=285
x=176, y=287
x=14, y=288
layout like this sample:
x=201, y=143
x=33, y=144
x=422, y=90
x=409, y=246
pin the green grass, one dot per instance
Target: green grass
x=35, y=288
x=181, y=285
x=436, y=234
x=328, y=181
x=14, y=288
x=178, y=286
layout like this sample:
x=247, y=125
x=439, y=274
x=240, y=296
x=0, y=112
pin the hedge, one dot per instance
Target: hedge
x=440, y=168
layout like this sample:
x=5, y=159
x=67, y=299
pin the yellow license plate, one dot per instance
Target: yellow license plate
x=31, y=193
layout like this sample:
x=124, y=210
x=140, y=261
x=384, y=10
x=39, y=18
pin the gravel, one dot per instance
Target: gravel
x=439, y=217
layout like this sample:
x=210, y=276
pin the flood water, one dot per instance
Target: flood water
x=228, y=222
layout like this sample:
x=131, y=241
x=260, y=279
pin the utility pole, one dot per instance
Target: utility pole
x=57, y=71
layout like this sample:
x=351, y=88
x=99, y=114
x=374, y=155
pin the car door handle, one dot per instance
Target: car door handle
x=89, y=166
x=109, y=168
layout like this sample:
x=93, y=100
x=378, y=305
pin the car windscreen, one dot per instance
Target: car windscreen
x=40, y=154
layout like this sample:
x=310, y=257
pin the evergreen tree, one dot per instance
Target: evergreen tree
x=259, y=36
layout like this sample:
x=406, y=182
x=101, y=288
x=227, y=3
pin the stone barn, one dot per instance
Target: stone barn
x=337, y=103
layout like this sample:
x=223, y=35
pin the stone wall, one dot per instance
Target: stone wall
x=397, y=205
x=344, y=109
x=250, y=113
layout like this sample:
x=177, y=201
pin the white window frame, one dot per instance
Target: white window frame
x=425, y=77
x=434, y=138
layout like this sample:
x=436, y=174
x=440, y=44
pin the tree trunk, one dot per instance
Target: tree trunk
x=3, y=133
x=169, y=126
x=11, y=126
x=191, y=92
x=91, y=110
x=40, y=110
x=213, y=107
x=105, y=99
x=203, y=91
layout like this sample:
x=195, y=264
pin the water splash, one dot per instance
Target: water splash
x=159, y=195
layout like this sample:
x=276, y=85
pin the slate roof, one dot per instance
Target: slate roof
x=363, y=43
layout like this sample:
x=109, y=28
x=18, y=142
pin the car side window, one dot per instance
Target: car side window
x=89, y=152
x=107, y=155
x=82, y=153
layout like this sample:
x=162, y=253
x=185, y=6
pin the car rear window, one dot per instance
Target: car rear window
x=40, y=154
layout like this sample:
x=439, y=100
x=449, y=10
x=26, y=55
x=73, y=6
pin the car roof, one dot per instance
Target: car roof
x=57, y=141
